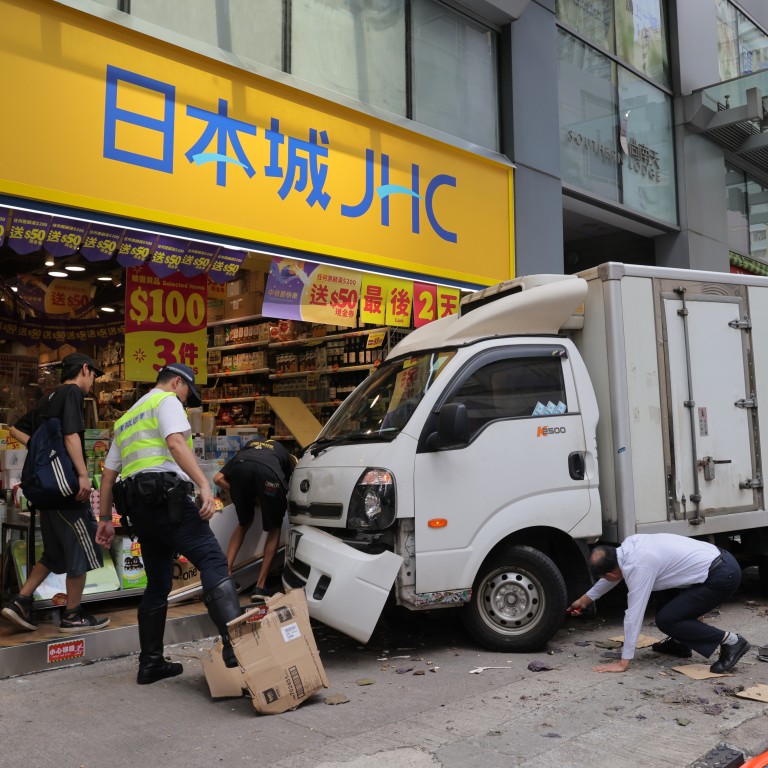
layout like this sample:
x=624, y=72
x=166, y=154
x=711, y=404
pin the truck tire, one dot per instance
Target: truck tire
x=518, y=601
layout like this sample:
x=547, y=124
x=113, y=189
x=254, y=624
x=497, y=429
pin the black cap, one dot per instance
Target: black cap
x=188, y=375
x=78, y=359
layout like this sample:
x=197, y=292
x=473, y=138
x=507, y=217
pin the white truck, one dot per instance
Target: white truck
x=474, y=467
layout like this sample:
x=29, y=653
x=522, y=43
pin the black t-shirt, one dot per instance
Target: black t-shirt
x=270, y=453
x=66, y=404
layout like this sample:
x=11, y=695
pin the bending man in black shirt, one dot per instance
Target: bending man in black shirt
x=257, y=474
x=68, y=532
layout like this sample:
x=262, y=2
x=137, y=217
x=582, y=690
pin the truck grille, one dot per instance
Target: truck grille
x=291, y=578
x=326, y=511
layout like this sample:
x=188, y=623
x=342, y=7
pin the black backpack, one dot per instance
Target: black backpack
x=48, y=477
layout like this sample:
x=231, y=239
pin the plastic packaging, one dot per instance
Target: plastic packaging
x=208, y=424
x=195, y=416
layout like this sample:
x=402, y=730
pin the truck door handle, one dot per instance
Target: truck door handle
x=577, y=465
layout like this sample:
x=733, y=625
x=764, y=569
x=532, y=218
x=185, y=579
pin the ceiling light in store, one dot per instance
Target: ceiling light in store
x=107, y=309
x=74, y=268
x=117, y=281
x=49, y=262
x=14, y=288
x=104, y=278
x=54, y=273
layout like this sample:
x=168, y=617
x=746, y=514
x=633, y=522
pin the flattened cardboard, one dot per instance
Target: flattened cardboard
x=698, y=671
x=276, y=649
x=755, y=693
x=643, y=641
x=297, y=417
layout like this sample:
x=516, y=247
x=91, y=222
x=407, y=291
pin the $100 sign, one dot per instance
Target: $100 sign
x=165, y=323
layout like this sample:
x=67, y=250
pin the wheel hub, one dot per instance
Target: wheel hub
x=511, y=600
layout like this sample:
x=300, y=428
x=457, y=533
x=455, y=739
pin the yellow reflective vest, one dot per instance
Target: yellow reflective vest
x=138, y=437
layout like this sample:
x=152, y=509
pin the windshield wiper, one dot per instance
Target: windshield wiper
x=353, y=437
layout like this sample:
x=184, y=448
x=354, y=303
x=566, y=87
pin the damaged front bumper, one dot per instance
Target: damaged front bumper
x=346, y=589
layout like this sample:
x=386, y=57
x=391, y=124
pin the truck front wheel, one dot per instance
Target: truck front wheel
x=518, y=601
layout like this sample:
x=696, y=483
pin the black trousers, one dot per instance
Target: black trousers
x=678, y=610
x=160, y=540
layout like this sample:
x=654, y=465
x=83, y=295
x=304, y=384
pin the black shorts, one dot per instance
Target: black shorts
x=250, y=484
x=69, y=540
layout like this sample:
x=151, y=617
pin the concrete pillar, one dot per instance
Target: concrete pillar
x=530, y=137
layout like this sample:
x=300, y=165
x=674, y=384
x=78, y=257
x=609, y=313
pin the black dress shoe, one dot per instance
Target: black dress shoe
x=730, y=655
x=672, y=647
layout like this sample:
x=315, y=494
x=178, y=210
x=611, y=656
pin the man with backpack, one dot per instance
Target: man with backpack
x=69, y=530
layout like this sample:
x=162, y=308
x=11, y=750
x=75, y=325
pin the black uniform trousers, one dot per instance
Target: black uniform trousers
x=678, y=610
x=161, y=540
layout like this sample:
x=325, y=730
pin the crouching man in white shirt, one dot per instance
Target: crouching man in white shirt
x=689, y=577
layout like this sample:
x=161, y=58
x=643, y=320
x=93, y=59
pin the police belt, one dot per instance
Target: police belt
x=154, y=487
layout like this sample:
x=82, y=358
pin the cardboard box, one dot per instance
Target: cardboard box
x=128, y=563
x=215, y=310
x=277, y=652
x=242, y=305
x=184, y=574
x=223, y=682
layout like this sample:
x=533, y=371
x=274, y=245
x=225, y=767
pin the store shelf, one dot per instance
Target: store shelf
x=250, y=399
x=315, y=340
x=244, y=345
x=323, y=372
x=238, y=373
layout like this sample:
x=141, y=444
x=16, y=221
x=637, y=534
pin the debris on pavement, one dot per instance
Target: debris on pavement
x=539, y=666
x=698, y=671
x=478, y=670
x=364, y=681
x=755, y=693
x=336, y=698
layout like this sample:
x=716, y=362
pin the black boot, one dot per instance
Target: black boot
x=223, y=606
x=152, y=664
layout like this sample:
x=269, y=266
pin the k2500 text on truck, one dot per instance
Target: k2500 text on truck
x=476, y=464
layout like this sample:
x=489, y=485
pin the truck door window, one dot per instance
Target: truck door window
x=513, y=388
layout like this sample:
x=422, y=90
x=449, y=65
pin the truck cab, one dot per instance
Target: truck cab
x=462, y=473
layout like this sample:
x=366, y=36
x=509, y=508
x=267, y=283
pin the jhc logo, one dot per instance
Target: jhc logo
x=300, y=165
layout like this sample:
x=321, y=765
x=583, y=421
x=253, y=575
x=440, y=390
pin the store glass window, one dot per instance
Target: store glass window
x=736, y=200
x=590, y=19
x=454, y=76
x=634, y=31
x=253, y=33
x=356, y=49
x=641, y=38
x=588, y=108
x=741, y=45
x=419, y=59
x=727, y=40
x=647, y=149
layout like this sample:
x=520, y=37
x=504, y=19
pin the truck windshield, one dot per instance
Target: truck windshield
x=382, y=405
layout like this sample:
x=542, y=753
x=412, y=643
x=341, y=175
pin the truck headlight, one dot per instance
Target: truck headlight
x=373, y=506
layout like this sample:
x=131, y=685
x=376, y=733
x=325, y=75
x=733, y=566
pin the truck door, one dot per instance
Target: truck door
x=710, y=404
x=523, y=466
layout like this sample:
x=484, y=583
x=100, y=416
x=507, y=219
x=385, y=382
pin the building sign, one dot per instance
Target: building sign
x=237, y=155
x=165, y=323
x=317, y=293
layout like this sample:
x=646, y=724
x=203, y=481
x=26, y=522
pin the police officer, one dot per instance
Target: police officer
x=152, y=454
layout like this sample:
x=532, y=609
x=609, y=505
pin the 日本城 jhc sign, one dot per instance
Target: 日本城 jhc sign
x=113, y=121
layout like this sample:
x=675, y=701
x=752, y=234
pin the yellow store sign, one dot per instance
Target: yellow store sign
x=109, y=120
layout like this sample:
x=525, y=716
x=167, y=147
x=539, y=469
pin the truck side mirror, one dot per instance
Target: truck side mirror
x=452, y=427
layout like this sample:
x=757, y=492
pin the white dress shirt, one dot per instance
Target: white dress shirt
x=651, y=562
